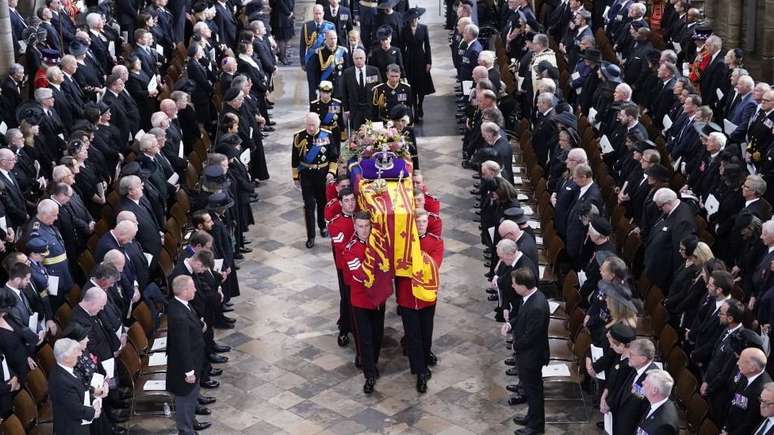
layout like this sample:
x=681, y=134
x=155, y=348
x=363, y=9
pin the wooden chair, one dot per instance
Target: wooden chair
x=86, y=262
x=667, y=340
x=708, y=427
x=685, y=386
x=12, y=426
x=63, y=315
x=142, y=314
x=45, y=358
x=695, y=411
x=676, y=361
x=37, y=385
x=150, y=402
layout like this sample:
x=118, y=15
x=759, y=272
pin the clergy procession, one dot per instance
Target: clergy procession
x=594, y=228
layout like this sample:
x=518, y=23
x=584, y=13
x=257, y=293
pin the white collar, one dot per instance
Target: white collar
x=752, y=378
x=15, y=290
x=584, y=189
x=747, y=203
x=718, y=303
x=517, y=258
x=528, y=295
x=187, y=266
x=183, y=302
x=67, y=369
x=655, y=406
x=642, y=370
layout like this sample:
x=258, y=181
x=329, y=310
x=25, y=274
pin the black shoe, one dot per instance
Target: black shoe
x=491, y=291
x=517, y=399
x=268, y=128
x=475, y=192
x=310, y=243
x=510, y=362
x=601, y=425
x=492, y=298
x=343, y=340
x=513, y=371
x=211, y=383
x=227, y=309
x=229, y=303
x=368, y=388
x=270, y=121
x=476, y=176
x=421, y=384
x=528, y=431
x=202, y=410
x=477, y=212
x=513, y=388
x=201, y=425
x=224, y=325
x=238, y=256
x=487, y=264
x=118, y=430
x=206, y=400
x=245, y=250
x=229, y=319
x=215, y=372
x=489, y=275
x=217, y=359
x=220, y=348
x=521, y=420
x=324, y=232
x=432, y=360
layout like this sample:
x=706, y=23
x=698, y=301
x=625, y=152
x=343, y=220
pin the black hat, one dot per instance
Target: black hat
x=185, y=85
x=618, y=292
x=30, y=112
x=515, y=214
x=415, y=12
x=215, y=177
x=230, y=139
x=622, y=333
x=219, y=200
x=50, y=55
x=84, y=125
x=705, y=128
x=690, y=243
x=199, y=7
x=635, y=136
x=592, y=54
x=36, y=245
x=227, y=150
x=743, y=339
x=659, y=172
x=384, y=32
x=642, y=145
x=399, y=111
x=76, y=331
x=653, y=56
x=387, y=4
x=601, y=226
x=573, y=133
x=702, y=31
x=231, y=94
x=611, y=72
x=77, y=48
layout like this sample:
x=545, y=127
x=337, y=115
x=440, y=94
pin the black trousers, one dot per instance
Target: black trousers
x=369, y=330
x=313, y=191
x=531, y=380
x=345, y=309
x=418, y=328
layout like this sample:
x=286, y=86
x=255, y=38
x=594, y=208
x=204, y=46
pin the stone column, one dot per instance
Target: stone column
x=765, y=42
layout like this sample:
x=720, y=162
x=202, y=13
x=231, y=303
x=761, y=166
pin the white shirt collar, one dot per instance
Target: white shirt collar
x=528, y=295
x=718, y=303
x=15, y=290
x=68, y=369
x=641, y=370
x=183, y=302
x=752, y=378
x=747, y=203
x=584, y=189
x=517, y=258
x=655, y=406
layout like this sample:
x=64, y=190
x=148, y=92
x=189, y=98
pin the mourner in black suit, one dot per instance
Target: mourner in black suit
x=185, y=350
x=745, y=408
x=588, y=195
x=766, y=427
x=341, y=17
x=67, y=392
x=628, y=404
x=417, y=58
x=662, y=254
x=530, y=343
x=661, y=417
x=149, y=228
x=356, y=89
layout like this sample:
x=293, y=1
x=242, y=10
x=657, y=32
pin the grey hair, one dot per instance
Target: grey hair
x=47, y=206
x=579, y=154
x=64, y=347
x=472, y=29
x=757, y=184
x=664, y=195
x=662, y=381
x=157, y=118
x=643, y=347
x=507, y=246
x=127, y=183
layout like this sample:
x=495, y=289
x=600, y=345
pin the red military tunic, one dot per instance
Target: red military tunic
x=433, y=246
x=340, y=229
x=330, y=191
x=432, y=204
x=354, y=276
x=332, y=209
x=434, y=224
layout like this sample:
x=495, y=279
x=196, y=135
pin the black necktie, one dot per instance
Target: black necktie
x=360, y=80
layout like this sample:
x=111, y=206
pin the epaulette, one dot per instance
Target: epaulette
x=303, y=130
x=315, y=101
x=332, y=201
x=435, y=236
x=324, y=129
x=433, y=214
x=336, y=100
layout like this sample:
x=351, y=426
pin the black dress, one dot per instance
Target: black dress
x=416, y=56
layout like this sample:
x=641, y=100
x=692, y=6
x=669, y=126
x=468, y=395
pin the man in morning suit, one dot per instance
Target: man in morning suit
x=67, y=392
x=661, y=417
x=743, y=413
x=185, y=350
x=530, y=342
x=149, y=229
x=588, y=195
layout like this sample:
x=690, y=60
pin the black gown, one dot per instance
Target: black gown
x=416, y=56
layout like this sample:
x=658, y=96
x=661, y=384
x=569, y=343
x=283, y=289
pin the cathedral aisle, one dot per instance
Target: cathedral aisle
x=286, y=373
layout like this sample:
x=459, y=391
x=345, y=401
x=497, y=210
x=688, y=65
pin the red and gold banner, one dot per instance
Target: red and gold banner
x=393, y=246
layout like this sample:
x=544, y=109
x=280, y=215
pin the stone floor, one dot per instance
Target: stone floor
x=288, y=376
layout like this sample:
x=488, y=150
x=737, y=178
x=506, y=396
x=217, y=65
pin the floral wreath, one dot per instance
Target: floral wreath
x=375, y=137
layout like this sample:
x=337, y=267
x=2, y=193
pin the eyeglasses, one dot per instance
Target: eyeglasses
x=765, y=403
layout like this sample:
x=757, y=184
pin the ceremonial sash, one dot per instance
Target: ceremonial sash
x=315, y=40
x=329, y=117
x=329, y=66
x=315, y=147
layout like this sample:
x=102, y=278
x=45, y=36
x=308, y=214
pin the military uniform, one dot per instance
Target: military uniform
x=332, y=210
x=312, y=38
x=313, y=158
x=341, y=228
x=386, y=97
x=56, y=263
x=330, y=117
x=329, y=64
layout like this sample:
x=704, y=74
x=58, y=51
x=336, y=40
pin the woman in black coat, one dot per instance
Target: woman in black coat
x=415, y=45
x=282, y=22
x=202, y=80
x=137, y=86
